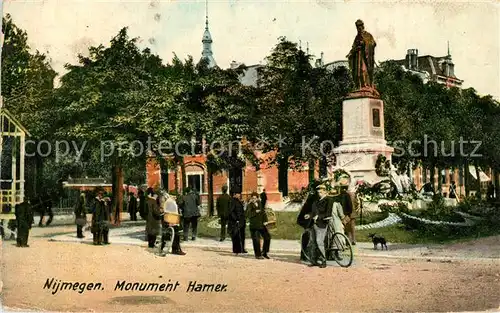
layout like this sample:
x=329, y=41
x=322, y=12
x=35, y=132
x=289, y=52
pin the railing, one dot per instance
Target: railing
x=85, y=181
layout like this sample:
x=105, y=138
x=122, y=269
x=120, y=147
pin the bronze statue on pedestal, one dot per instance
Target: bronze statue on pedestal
x=362, y=62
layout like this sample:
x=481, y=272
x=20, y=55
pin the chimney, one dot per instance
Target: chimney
x=412, y=59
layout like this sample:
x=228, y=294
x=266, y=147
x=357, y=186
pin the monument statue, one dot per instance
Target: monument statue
x=362, y=62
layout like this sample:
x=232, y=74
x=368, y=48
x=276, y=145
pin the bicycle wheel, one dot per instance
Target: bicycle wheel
x=341, y=248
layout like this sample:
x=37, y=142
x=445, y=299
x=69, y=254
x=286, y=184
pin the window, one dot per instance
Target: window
x=195, y=181
x=376, y=117
x=443, y=176
x=460, y=177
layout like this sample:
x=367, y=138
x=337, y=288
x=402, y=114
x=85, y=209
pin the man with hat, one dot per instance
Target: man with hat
x=323, y=211
x=258, y=222
x=24, y=219
x=320, y=215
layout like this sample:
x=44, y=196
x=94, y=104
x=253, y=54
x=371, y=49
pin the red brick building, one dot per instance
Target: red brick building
x=250, y=179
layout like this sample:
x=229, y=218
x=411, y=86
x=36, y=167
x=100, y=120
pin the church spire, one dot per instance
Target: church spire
x=207, y=41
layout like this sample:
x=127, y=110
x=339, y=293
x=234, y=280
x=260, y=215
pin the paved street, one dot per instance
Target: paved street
x=373, y=284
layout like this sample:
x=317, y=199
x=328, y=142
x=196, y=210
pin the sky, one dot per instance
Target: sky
x=246, y=31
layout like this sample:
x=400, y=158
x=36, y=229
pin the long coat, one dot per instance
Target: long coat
x=307, y=209
x=322, y=208
x=80, y=211
x=256, y=219
x=236, y=214
x=329, y=207
x=222, y=205
x=132, y=205
x=143, y=206
x=24, y=216
x=153, y=224
x=101, y=215
x=191, y=202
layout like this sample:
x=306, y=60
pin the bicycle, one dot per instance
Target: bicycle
x=337, y=247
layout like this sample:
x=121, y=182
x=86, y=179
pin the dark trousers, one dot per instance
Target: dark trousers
x=116, y=216
x=223, y=227
x=151, y=240
x=79, y=231
x=238, y=239
x=22, y=236
x=97, y=237
x=193, y=221
x=256, y=241
x=101, y=236
x=133, y=215
x=42, y=215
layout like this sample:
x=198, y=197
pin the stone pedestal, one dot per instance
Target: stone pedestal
x=363, y=138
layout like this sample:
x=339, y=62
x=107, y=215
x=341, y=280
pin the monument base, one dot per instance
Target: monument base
x=359, y=160
x=363, y=138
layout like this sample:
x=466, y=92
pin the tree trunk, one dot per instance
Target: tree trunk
x=176, y=176
x=114, y=193
x=466, y=178
x=424, y=174
x=312, y=167
x=323, y=167
x=183, y=174
x=210, y=191
x=164, y=173
x=433, y=174
x=478, y=182
x=496, y=181
x=117, y=203
x=283, y=175
x=440, y=180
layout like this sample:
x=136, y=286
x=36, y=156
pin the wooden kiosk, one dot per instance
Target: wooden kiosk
x=12, y=153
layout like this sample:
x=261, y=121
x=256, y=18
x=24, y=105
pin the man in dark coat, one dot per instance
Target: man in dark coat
x=222, y=207
x=321, y=214
x=258, y=221
x=305, y=221
x=132, y=207
x=191, y=213
x=236, y=224
x=263, y=199
x=101, y=218
x=346, y=200
x=80, y=215
x=143, y=207
x=24, y=219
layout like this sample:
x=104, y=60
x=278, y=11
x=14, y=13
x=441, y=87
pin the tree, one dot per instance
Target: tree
x=294, y=99
x=27, y=84
x=100, y=100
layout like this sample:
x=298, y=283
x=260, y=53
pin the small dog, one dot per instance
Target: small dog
x=376, y=239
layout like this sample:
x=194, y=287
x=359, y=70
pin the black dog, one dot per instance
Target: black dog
x=376, y=239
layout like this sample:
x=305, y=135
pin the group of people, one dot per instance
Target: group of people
x=151, y=206
x=338, y=208
x=233, y=216
x=159, y=204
